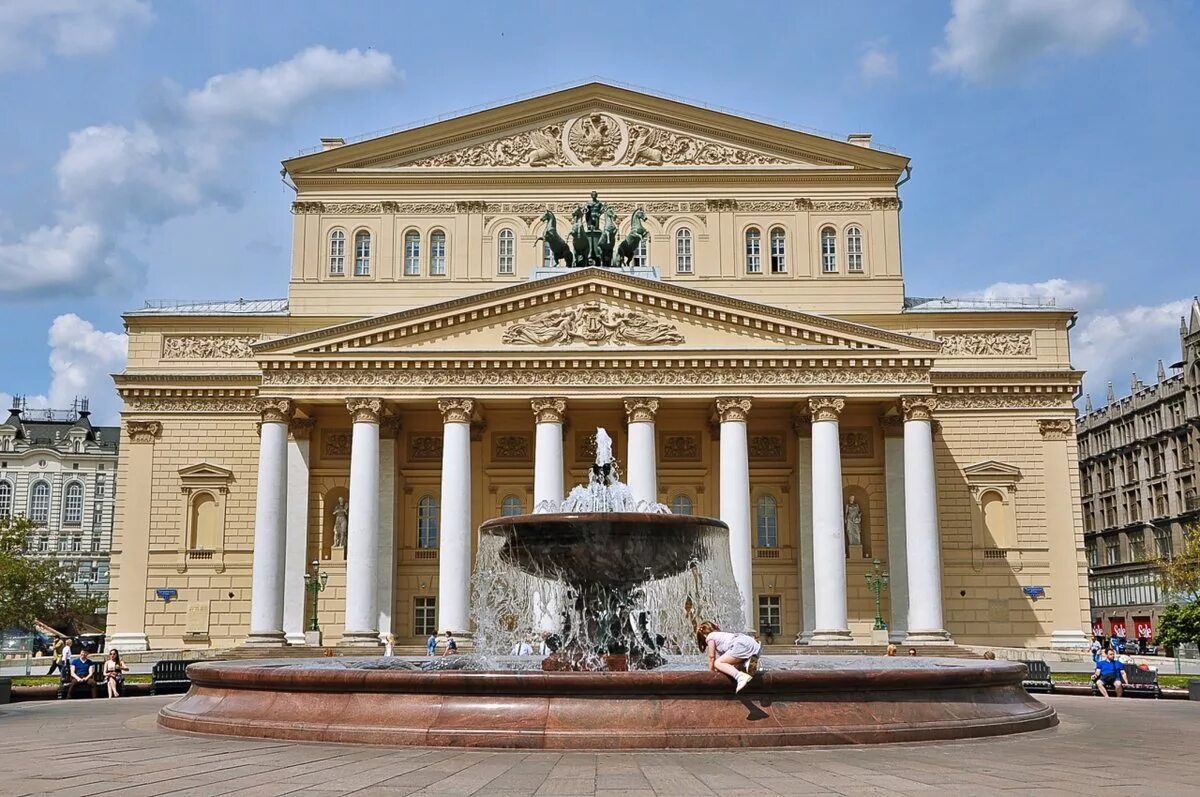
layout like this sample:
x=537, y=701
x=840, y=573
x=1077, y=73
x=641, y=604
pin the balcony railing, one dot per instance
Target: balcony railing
x=197, y=553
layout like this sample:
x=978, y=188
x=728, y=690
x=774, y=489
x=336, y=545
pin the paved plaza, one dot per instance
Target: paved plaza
x=109, y=747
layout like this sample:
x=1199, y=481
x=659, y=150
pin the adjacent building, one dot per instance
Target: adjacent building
x=755, y=358
x=1138, y=463
x=60, y=471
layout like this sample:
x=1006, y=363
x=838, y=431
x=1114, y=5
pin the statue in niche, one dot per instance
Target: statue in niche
x=853, y=522
x=341, y=517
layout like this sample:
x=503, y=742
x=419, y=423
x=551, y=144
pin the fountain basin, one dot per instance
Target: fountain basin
x=831, y=700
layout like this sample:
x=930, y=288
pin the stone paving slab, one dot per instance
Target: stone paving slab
x=114, y=746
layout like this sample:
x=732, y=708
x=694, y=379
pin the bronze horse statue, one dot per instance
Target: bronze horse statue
x=558, y=247
x=608, y=240
x=627, y=251
x=579, y=239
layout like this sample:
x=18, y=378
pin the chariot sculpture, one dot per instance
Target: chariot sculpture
x=593, y=236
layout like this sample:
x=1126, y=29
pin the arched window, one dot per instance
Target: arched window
x=39, y=502
x=437, y=254
x=427, y=522
x=682, y=505
x=683, y=251
x=641, y=258
x=412, y=254
x=547, y=256
x=828, y=251
x=766, y=521
x=753, y=251
x=204, y=523
x=362, y=254
x=6, y=499
x=337, y=253
x=73, y=504
x=506, y=252
x=854, y=249
x=511, y=505
x=778, y=251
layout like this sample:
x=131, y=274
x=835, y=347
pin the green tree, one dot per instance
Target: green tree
x=1179, y=576
x=1178, y=624
x=36, y=588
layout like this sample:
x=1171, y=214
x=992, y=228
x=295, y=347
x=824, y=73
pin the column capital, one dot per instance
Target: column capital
x=143, y=431
x=1055, y=429
x=918, y=408
x=640, y=410
x=389, y=427
x=802, y=424
x=826, y=408
x=364, y=410
x=733, y=408
x=275, y=410
x=549, y=409
x=892, y=425
x=456, y=410
x=301, y=428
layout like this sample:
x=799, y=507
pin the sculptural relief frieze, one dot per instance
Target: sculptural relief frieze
x=681, y=448
x=857, y=443
x=766, y=447
x=987, y=344
x=511, y=447
x=208, y=347
x=190, y=404
x=1003, y=401
x=592, y=324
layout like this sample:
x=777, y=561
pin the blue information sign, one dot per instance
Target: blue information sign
x=166, y=593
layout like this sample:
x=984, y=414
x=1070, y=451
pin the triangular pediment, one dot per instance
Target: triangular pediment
x=595, y=126
x=204, y=474
x=602, y=311
x=991, y=469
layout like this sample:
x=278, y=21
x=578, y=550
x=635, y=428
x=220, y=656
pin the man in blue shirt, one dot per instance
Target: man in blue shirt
x=1110, y=673
x=82, y=673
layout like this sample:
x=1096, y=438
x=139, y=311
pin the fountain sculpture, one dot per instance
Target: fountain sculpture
x=614, y=587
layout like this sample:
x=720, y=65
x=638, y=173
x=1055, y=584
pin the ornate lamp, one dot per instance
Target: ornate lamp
x=314, y=583
x=877, y=582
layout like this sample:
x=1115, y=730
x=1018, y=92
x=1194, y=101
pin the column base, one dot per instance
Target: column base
x=934, y=637
x=805, y=638
x=295, y=638
x=264, y=639
x=831, y=636
x=897, y=636
x=129, y=641
x=1069, y=640
x=360, y=639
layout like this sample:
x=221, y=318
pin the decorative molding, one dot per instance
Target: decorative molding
x=275, y=410
x=142, y=431
x=585, y=446
x=335, y=443
x=840, y=205
x=372, y=208
x=766, y=447
x=802, y=423
x=918, y=408
x=389, y=427
x=640, y=410
x=456, y=410
x=364, y=410
x=1003, y=401
x=857, y=442
x=720, y=205
x=511, y=448
x=892, y=425
x=1056, y=429
x=885, y=203
x=190, y=404
x=548, y=410
x=470, y=206
x=425, y=448
x=826, y=408
x=986, y=344
x=770, y=205
x=733, y=408
x=302, y=428
x=208, y=347
x=594, y=324
x=680, y=447
x=420, y=208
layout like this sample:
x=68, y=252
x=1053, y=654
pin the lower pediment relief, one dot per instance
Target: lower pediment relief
x=592, y=324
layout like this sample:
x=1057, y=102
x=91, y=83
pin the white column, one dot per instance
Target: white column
x=454, y=556
x=548, y=450
x=829, y=531
x=296, y=556
x=362, y=537
x=386, y=598
x=643, y=450
x=925, y=624
x=266, y=589
x=897, y=558
x=735, y=495
x=808, y=614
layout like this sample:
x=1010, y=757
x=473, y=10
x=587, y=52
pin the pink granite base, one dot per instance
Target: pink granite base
x=624, y=710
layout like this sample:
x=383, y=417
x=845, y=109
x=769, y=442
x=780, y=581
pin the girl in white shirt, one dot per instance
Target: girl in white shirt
x=730, y=653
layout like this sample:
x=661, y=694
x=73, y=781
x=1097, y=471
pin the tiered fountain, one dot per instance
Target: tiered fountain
x=615, y=588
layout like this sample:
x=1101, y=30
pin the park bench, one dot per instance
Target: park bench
x=1141, y=682
x=170, y=676
x=1038, y=677
x=68, y=688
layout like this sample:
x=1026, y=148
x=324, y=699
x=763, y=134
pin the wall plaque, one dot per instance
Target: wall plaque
x=335, y=443
x=769, y=447
x=510, y=447
x=425, y=447
x=680, y=448
x=858, y=442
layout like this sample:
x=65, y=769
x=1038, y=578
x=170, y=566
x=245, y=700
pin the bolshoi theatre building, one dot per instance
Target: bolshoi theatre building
x=470, y=299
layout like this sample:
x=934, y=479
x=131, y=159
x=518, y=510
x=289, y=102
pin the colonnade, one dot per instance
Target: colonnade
x=911, y=503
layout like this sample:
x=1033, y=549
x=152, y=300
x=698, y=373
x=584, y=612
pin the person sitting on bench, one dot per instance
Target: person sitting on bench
x=82, y=673
x=1110, y=673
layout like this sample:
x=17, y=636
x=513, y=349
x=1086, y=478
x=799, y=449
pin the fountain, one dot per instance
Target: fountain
x=614, y=588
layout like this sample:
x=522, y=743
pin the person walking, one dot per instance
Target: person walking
x=56, y=662
x=114, y=673
x=736, y=655
x=389, y=647
x=431, y=644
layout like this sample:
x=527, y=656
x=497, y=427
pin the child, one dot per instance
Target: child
x=389, y=646
x=729, y=652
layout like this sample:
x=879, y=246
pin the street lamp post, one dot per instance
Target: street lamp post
x=877, y=582
x=315, y=582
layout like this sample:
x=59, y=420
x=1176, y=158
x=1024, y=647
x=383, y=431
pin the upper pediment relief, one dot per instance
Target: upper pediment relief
x=600, y=139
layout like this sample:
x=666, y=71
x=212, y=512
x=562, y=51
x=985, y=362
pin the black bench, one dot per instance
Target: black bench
x=1038, y=677
x=170, y=676
x=1141, y=682
x=69, y=688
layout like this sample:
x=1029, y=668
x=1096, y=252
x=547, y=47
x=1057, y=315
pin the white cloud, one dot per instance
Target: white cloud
x=114, y=178
x=988, y=38
x=31, y=28
x=878, y=63
x=1111, y=345
x=31, y=402
x=1063, y=292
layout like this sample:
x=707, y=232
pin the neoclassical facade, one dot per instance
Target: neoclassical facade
x=756, y=360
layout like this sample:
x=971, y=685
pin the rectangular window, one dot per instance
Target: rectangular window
x=506, y=254
x=43, y=545
x=1137, y=546
x=854, y=254
x=753, y=253
x=1093, y=558
x=73, y=505
x=424, y=616
x=77, y=545
x=64, y=544
x=769, y=615
x=97, y=542
x=1112, y=549
x=778, y=253
x=412, y=255
x=99, y=487
x=337, y=254
x=362, y=255
x=1162, y=541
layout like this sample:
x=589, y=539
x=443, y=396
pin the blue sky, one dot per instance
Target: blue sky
x=1052, y=141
